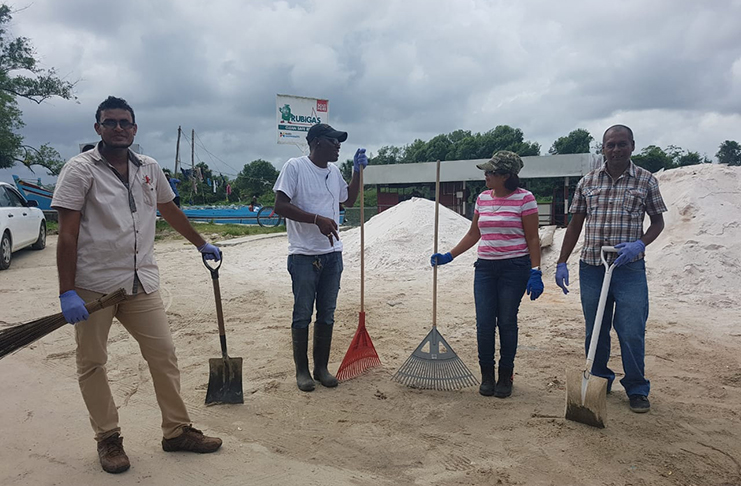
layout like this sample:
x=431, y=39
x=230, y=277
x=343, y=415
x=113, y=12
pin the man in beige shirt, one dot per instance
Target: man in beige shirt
x=107, y=199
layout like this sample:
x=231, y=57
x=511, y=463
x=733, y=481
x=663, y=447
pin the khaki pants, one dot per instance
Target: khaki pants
x=144, y=318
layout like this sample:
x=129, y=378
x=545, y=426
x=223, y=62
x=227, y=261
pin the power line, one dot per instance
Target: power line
x=200, y=142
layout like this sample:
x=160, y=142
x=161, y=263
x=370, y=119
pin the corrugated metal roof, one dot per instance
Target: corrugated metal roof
x=571, y=165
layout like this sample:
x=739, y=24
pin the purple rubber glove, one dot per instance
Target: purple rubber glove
x=628, y=251
x=441, y=259
x=210, y=251
x=535, y=284
x=562, y=277
x=73, y=307
x=360, y=160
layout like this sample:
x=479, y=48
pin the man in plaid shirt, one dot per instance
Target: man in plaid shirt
x=614, y=200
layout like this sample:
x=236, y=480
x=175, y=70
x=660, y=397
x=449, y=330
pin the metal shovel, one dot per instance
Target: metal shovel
x=586, y=394
x=225, y=373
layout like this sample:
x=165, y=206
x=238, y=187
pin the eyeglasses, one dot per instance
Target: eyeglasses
x=112, y=124
x=333, y=141
x=489, y=173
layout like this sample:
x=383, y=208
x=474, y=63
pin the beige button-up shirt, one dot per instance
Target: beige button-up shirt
x=116, y=240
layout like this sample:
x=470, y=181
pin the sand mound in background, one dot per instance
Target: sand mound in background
x=402, y=237
x=698, y=255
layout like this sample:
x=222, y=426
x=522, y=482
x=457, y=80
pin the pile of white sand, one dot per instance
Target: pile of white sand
x=402, y=237
x=698, y=255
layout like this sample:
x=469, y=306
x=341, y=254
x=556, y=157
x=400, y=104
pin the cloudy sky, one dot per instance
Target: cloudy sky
x=393, y=70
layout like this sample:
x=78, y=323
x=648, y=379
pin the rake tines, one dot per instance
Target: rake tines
x=360, y=356
x=434, y=369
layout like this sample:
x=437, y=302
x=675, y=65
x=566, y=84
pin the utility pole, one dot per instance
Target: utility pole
x=193, y=160
x=177, y=155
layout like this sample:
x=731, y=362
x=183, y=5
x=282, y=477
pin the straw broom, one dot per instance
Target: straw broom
x=15, y=338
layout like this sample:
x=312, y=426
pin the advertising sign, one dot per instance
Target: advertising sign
x=296, y=114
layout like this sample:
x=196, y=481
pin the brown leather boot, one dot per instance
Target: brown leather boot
x=112, y=456
x=191, y=440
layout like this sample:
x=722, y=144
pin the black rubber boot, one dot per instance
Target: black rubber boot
x=301, y=358
x=487, y=387
x=322, y=345
x=504, y=384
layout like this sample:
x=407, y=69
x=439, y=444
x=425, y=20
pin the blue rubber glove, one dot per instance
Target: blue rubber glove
x=211, y=251
x=628, y=251
x=73, y=307
x=535, y=284
x=562, y=277
x=441, y=258
x=359, y=160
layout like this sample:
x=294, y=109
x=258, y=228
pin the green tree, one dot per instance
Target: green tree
x=653, y=158
x=576, y=142
x=256, y=178
x=22, y=77
x=465, y=149
x=505, y=137
x=415, y=152
x=729, y=153
x=438, y=148
x=387, y=155
x=690, y=158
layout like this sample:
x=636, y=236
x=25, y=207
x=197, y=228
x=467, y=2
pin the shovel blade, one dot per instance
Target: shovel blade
x=592, y=410
x=224, y=381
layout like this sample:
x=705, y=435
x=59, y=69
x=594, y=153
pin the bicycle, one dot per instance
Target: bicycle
x=268, y=218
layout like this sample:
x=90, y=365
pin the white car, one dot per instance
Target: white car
x=22, y=224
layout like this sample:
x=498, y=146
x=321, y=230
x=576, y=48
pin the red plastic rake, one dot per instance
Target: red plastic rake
x=361, y=355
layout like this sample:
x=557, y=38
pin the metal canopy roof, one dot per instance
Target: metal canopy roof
x=571, y=165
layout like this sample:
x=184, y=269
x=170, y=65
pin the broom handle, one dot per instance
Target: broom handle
x=106, y=300
x=434, y=269
x=362, y=242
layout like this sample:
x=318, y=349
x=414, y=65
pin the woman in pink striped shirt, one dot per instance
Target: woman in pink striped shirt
x=505, y=224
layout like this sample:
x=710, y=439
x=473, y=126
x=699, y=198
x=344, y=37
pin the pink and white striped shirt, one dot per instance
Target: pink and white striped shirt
x=500, y=224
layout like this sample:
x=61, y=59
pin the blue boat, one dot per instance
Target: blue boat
x=222, y=214
x=34, y=192
x=236, y=215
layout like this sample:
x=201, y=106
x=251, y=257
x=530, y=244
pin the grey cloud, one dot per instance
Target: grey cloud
x=392, y=70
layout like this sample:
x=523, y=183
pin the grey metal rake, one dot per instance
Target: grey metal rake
x=431, y=366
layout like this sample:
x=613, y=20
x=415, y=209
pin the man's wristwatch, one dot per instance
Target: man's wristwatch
x=536, y=268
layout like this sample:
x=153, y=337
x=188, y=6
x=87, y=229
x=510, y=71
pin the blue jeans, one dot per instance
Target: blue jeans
x=316, y=278
x=498, y=287
x=626, y=310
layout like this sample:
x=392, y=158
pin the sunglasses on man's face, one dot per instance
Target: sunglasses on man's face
x=112, y=124
x=333, y=141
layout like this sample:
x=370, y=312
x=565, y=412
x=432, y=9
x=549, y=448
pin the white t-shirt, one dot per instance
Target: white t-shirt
x=315, y=190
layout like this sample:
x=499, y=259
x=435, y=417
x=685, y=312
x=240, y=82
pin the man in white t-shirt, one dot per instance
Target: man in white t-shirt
x=308, y=194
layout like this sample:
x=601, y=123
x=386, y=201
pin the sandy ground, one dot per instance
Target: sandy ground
x=369, y=430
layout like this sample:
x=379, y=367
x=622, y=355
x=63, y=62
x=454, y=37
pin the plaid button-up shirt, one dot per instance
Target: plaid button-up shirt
x=615, y=209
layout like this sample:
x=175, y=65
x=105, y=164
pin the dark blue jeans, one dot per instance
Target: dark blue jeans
x=498, y=287
x=626, y=310
x=316, y=278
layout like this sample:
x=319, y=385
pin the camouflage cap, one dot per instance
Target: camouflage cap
x=504, y=162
